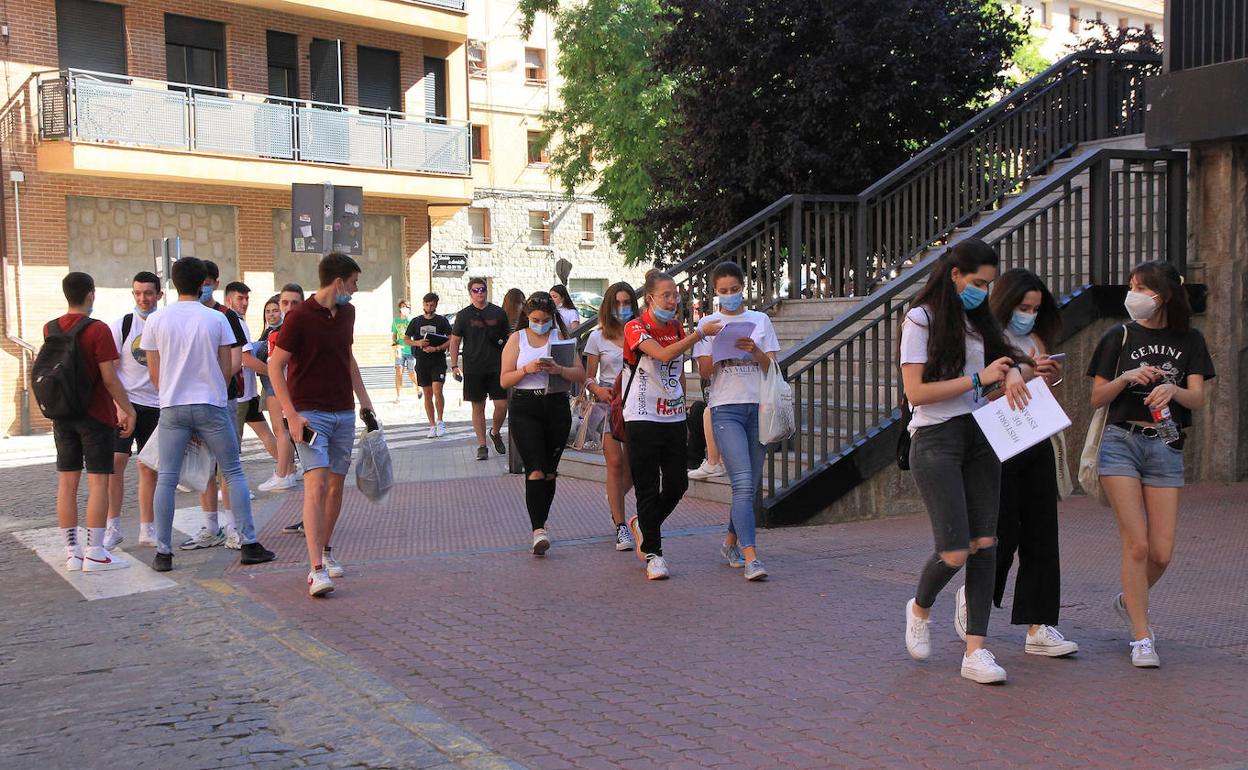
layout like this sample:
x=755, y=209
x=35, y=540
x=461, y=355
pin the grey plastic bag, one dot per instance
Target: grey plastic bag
x=374, y=474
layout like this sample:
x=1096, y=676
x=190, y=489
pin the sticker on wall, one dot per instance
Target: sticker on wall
x=298, y=244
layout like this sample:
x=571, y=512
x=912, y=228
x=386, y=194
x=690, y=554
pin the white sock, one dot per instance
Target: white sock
x=147, y=528
x=95, y=536
x=227, y=520
x=114, y=522
x=71, y=537
x=210, y=521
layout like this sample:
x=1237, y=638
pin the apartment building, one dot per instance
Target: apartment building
x=1062, y=23
x=520, y=224
x=132, y=120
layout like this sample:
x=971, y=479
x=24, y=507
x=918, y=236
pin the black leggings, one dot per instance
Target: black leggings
x=1028, y=523
x=656, y=457
x=539, y=426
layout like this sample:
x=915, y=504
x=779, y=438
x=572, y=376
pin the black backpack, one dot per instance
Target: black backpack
x=62, y=387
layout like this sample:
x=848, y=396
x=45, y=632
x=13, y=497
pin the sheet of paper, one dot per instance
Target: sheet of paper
x=1012, y=431
x=564, y=353
x=724, y=347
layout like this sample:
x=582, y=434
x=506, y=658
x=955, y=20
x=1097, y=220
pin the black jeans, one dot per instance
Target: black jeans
x=656, y=456
x=1027, y=522
x=697, y=436
x=539, y=427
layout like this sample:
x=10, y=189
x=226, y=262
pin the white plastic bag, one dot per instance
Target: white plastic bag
x=197, y=464
x=775, y=408
x=374, y=473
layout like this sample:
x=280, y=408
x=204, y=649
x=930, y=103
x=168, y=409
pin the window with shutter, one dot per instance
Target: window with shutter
x=326, y=71
x=283, y=58
x=539, y=228
x=476, y=58
x=480, y=143
x=435, y=89
x=91, y=36
x=587, y=227
x=535, y=65
x=377, y=75
x=195, y=51
x=479, y=222
x=538, y=153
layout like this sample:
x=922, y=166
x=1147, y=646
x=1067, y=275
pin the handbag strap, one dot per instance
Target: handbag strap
x=1121, y=347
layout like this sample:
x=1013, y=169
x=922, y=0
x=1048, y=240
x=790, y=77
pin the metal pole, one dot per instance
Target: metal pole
x=1098, y=223
x=861, y=248
x=327, y=245
x=21, y=317
x=796, y=252
x=1176, y=214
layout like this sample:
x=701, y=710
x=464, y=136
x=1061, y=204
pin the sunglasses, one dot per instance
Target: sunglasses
x=477, y=290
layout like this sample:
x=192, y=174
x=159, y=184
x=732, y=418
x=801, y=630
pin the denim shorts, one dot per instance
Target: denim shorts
x=335, y=435
x=1151, y=460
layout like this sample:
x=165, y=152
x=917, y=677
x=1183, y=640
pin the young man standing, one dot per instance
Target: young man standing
x=190, y=353
x=430, y=360
x=314, y=374
x=238, y=299
x=88, y=438
x=404, y=361
x=132, y=371
x=482, y=328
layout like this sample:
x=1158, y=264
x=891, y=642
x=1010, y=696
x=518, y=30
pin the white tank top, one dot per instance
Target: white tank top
x=528, y=353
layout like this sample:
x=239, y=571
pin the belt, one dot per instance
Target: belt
x=1147, y=431
x=530, y=392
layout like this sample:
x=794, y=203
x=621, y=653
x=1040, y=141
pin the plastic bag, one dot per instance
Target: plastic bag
x=374, y=473
x=197, y=464
x=589, y=419
x=775, y=408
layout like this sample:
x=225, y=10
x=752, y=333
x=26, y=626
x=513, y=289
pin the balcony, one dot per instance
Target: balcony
x=437, y=19
x=120, y=126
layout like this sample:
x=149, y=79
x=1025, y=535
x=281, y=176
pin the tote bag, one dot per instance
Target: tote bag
x=197, y=464
x=1089, y=459
x=775, y=408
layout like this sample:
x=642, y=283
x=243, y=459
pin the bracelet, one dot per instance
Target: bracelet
x=977, y=389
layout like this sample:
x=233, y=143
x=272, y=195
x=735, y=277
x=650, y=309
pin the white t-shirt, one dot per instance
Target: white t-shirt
x=132, y=367
x=187, y=336
x=1027, y=344
x=738, y=381
x=610, y=357
x=914, y=351
x=657, y=393
x=569, y=316
x=249, y=375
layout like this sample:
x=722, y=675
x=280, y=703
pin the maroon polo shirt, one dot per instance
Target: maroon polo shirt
x=319, y=343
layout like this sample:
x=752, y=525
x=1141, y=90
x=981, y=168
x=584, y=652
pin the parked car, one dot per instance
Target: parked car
x=587, y=303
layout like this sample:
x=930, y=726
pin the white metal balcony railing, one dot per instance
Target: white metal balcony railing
x=117, y=109
x=457, y=5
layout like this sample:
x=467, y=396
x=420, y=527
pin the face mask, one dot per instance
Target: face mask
x=1021, y=323
x=141, y=313
x=972, y=296
x=404, y=313
x=542, y=328
x=343, y=299
x=730, y=302
x=205, y=293
x=1140, y=306
x=624, y=313
x=663, y=314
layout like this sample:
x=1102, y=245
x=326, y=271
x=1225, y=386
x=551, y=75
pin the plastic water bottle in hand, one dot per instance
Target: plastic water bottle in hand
x=1167, y=429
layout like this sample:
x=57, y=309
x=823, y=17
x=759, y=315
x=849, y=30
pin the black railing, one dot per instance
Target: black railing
x=1085, y=225
x=1200, y=33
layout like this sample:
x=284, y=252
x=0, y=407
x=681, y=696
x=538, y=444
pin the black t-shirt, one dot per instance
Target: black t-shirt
x=484, y=332
x=420, y=326
x=1177, y=354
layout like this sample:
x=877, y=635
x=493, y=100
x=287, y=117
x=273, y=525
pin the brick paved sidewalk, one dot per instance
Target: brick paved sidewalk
x=576, y=661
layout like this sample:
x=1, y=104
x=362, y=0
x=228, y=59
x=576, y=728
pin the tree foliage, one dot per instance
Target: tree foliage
x=1109, y=39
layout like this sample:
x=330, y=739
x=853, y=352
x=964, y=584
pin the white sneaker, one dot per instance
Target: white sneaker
x=1049, y=642
x=97, y=559
x=441, y=429
x=541, y=542
x=319, y=583
x=980, y=666
x=656, y=568
x=959, y=613
x=331, y=565
x=203, y=539
x=1144, y=654
x=112, y=537
x=623, y=540
x=73, y=559
x=147, y=535
x=231, y=539
x=918, y=636
x=433, y=431
x=706, y=470
x=275, y=483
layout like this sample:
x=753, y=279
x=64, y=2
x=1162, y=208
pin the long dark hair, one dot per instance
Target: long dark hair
x=1164, y=278
x=947, y=319
x=540, y=300
x=513, y=302
x=612, y=327
x=564, y=296
x=1008, y=293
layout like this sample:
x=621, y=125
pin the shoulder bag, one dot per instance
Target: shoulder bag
x=1089, y=460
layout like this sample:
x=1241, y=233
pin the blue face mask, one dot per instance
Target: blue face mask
x=343, y=299
x=542, y=328
x=663, y=314
x=1021, y=323
x=731, y=302
x=142, y=313
x=624, y=313
x=972, y=296
x=205, y=293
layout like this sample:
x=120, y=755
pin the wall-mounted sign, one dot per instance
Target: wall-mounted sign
x=325, y=218
x=454, y=264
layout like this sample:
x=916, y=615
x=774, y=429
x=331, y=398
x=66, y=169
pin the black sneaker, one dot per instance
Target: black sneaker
x=483, y=453
x=499, y=446
x=293, y=529
x=163, y=562
x=254, y=553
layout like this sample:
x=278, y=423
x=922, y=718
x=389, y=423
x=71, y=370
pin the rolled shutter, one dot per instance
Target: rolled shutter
x=378, y=78
x=327, y=71
x=91, y=36
x=435, y=89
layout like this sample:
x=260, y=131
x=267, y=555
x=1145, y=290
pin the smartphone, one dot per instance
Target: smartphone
x=1059, y=357
x=546, y=360
x=309, y=435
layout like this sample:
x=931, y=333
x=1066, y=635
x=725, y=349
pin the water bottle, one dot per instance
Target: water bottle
x=1167, y=429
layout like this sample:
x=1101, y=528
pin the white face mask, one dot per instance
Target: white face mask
x=1140, y=306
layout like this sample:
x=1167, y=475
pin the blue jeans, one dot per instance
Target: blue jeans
x=736, y=434
x=214, y=426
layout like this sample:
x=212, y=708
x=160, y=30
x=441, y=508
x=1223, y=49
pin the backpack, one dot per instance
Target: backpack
x=60, y=380
x=127, y=324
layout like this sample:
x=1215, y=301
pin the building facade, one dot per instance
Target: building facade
x=1060, y=24
x=520, y=224
x=133, y=120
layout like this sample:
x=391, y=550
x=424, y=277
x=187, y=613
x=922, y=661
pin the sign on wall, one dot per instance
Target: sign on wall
x=452, y=264
x=325, y=218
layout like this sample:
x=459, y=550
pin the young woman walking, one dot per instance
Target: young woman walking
x=540, y=421
x=654, y=414
x=1027, y=519
x=733, y=403
x=513, y=304
x=284, y=474
x=1151, y=374
x=567, y=310
x=604, y=360
x=953, y=354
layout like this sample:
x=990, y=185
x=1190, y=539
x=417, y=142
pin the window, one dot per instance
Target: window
x=435, y=90
x=91, y=36
x=479, y=221
x=195, y=51
x=326, y=70
x=587, y=228
x=535, y=65
x=283, y=52
x=476, y=58
x=377, y=76
x=480, y=143
x=1045, y=20
x=538, y=153
x=590, y=285
x=539, y=228
x=1074, y=19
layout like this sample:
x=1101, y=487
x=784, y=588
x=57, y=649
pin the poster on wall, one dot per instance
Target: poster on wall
x=309, y=213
